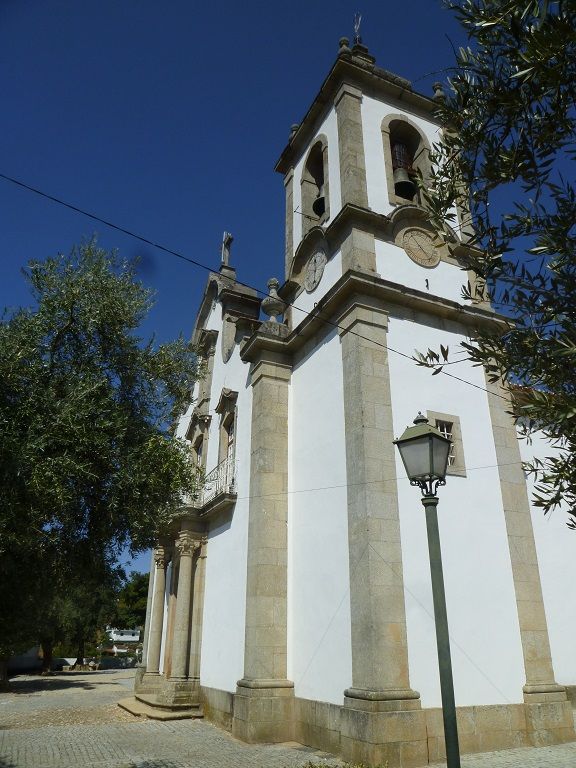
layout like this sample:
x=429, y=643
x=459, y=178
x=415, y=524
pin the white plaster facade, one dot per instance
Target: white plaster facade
x=314, y=617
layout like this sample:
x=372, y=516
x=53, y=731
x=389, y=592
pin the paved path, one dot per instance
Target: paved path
x=73, y=722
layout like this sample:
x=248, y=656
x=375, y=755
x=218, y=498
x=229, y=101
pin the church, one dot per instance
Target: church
x=292, y=599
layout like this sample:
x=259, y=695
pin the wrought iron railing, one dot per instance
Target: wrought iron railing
x=219, y=480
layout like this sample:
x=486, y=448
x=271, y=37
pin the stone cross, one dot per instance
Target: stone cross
x=225, y=253
x=357, y=22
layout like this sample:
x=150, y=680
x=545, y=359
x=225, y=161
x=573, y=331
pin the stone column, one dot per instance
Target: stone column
x=185, y=545
x=148, y=612
x=548, y=713
x=141, y=667
x=199, y=579
x=382, y=719
x=353, y=187
x=264, y=698
x=157, y=620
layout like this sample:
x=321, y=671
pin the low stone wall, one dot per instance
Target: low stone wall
x=218, y=706
x=480, y=728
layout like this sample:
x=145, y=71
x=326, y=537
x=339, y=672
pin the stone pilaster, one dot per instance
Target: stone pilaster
x=358, y=251
x=263, y=706
x=381, y=719
x=548, y=712
x=199, y=579
x=289, y=231
x=353, y=187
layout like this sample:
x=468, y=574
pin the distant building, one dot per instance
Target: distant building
x=123, y=635
x=292, y=599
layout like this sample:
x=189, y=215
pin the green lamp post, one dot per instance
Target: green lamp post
x=424, y=452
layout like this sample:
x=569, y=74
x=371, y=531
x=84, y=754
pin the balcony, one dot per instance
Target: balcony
x=218, y=492
x=222, y=479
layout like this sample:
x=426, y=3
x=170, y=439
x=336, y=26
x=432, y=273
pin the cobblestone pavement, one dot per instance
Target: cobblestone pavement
x=73, y=722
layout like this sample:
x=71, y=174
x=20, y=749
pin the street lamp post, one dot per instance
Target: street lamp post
x=424, y=452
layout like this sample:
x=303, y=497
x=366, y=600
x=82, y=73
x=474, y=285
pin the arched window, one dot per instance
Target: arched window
x=406, y=155
x=314, y=185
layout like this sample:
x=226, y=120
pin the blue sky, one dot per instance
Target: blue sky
x=167, y=119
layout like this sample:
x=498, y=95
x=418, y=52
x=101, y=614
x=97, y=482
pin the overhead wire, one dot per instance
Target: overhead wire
x=205, y=267
x=327, y=321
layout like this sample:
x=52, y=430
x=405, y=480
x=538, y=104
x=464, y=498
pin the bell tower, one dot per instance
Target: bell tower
x=353, y=170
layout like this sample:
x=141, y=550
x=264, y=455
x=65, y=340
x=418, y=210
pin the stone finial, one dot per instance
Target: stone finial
x=344, y=46
x=439, y=94
x=272, y=305
x=293, y=130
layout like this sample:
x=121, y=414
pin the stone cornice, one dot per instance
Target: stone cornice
x=353, y=71
x=356, y=286
x=234, y=297
x=381, y=226
x=240, y=300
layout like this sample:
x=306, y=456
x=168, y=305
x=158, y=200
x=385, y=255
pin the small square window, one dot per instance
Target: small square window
x=449, y=426
x=446, y=428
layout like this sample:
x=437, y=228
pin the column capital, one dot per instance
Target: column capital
x=161, y=557
x=187, y=543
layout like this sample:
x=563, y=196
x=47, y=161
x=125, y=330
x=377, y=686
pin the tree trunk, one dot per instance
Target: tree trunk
x=80, y=652
x=3, y=673
x=47, y=645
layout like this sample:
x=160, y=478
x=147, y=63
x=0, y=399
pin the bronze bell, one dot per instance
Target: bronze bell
x=319, y=204
x=403, y=185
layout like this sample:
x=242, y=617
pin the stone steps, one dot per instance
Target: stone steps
x=148, y=706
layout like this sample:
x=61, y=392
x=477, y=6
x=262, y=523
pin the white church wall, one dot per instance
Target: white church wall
x=328, y=127
x=305, y=301
x=556, y=550
x=482, y=614
x=319, y=645
x=222, y=655
x=445, y=280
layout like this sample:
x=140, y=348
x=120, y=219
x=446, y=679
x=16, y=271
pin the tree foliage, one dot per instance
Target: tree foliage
x=88, y=464
x=130, y=608
x=504, y=177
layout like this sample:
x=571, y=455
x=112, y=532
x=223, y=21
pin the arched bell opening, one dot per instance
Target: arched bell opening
x=406, y=154
x=314, y=184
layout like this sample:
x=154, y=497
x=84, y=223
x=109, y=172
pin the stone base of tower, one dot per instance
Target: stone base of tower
x=383, y=732
x=264, y=711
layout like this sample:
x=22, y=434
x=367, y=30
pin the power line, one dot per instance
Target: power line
x=200, y=265
x=363, y=483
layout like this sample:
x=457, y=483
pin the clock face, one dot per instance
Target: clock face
x=420, y=247
x=314, y=270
